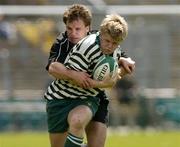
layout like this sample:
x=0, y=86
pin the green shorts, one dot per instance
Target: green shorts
x=58, y=110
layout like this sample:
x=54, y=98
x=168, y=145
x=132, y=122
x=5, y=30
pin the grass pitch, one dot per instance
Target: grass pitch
x=135, y=139
x=144, y=139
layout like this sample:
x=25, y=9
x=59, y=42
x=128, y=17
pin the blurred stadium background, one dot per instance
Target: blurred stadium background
x=148, y=98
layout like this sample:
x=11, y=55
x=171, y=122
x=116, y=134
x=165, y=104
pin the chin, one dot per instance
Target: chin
x=75, y=41
x=106, y=52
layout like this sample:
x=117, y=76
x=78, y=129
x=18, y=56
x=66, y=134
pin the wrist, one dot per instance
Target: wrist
x=71, y=74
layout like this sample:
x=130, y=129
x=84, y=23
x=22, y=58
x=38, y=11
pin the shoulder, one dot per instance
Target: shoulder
x=90, y=39
x=87, y=43
x=93, y=32
x=61, y=37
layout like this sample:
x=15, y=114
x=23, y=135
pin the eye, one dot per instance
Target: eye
x=107, y=40
x=77, y=29
x=68, y=28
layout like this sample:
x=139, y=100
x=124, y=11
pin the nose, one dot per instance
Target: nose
x=73, y=33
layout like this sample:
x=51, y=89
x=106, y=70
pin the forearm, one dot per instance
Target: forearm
x=59, y=71
x=106, y=83
x=100, y=84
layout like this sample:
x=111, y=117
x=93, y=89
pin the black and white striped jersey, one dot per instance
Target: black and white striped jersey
x=83, y=57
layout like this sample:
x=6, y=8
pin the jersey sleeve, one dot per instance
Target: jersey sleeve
x=123, y=54
x=54, y=51
x=119, y=53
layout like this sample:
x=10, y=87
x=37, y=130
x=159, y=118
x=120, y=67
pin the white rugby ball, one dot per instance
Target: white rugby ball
x=105, y=66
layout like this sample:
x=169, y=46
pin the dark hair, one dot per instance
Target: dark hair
x=78, y=11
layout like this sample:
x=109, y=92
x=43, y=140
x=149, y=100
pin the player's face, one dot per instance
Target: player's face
x=76, y=30
x=107, y=44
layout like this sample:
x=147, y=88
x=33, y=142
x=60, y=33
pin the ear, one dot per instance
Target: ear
x=87, y=29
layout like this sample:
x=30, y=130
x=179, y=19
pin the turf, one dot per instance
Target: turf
x=136, y=139
x=144, y=139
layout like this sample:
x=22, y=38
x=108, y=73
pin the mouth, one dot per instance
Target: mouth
x=106, y=51
x=75, y=40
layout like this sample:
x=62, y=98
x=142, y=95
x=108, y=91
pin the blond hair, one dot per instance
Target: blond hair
x=115, y=26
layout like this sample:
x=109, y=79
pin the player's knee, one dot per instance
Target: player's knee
x=76, y=122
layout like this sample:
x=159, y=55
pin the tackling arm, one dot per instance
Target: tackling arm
x=59, y=71
x=82, y=79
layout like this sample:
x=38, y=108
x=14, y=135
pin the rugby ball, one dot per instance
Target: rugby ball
x=105, y=66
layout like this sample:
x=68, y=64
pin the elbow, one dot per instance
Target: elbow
x=52, y=68
x=57, y=70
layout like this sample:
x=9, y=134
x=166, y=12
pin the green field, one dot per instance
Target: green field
x=137, y=139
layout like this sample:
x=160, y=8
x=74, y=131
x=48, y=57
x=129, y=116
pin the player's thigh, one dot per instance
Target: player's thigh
x=57, y=113
x=83, y=111
x=57, y=139
x=96, y=134
x=81, y=114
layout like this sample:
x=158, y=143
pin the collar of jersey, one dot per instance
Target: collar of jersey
x=98, y=38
